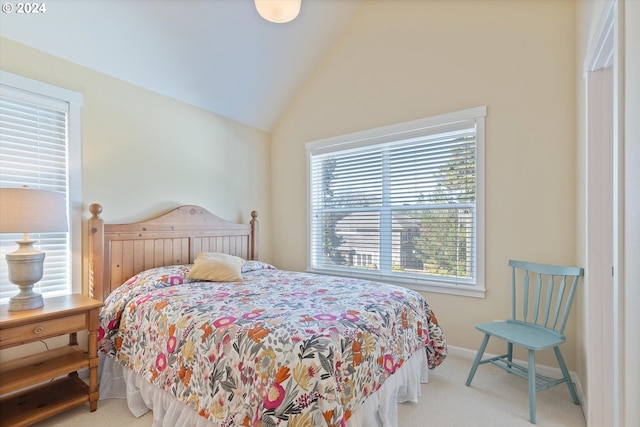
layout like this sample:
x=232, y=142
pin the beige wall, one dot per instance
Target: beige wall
x=405, y=60
x=144, y=153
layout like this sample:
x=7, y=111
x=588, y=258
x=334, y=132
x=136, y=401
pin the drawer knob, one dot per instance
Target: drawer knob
x=38, y=329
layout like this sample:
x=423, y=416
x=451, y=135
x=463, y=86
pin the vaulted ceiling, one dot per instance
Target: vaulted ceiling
x=219, y=55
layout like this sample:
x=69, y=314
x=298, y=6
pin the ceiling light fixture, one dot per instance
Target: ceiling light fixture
x=278, y=11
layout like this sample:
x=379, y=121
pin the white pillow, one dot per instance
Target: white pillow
x=216, y=267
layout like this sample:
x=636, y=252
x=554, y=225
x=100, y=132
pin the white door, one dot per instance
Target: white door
x=598, y=273
x=603, y=241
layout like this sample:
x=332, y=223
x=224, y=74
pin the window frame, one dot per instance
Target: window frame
x=402, y=131
x=31, y=87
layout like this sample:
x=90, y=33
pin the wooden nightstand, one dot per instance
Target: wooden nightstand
x=41, y=396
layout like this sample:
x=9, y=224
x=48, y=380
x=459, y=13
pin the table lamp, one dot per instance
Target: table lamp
x=25, y=210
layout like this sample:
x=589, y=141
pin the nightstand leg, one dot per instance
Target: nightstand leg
x=94, y=393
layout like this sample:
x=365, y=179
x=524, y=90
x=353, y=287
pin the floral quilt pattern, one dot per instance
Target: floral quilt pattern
x=280, y=348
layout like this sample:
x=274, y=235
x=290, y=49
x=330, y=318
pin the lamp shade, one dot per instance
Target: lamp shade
x=278, y=11
x=25, y=210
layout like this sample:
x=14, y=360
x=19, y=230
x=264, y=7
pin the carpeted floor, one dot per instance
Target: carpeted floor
x=495, y=399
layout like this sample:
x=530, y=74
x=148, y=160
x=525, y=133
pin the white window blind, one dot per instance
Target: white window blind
x=399, y=203
x=34, y=152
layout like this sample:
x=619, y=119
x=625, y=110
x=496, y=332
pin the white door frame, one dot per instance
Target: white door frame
x=604, y=283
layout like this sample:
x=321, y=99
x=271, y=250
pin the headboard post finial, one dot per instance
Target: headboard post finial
x=95, y=209
x=254, y=235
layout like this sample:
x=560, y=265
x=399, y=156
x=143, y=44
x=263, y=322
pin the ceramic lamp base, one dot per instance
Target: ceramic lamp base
x=25, y=269
x=25, y=302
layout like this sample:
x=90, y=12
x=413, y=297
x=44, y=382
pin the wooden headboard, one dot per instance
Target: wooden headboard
x=119, y=251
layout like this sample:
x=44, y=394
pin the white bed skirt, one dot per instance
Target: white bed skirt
x=380, y=409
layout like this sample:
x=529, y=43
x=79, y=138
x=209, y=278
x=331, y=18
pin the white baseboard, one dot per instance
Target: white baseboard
x=549, y=371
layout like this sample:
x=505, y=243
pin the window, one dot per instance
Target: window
x=402, y=204
x=40, y=148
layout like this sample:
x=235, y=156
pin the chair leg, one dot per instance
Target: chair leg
x=567, y=377
x=532, y=386
x=478, y=358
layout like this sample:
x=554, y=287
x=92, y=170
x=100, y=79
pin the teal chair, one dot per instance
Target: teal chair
x=541, y=298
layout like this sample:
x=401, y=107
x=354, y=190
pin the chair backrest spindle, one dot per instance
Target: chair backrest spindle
x=547, y=311
x=514, y=293
x=536, y=303
x=525, y=296
x=572, y=293
x=563, y=284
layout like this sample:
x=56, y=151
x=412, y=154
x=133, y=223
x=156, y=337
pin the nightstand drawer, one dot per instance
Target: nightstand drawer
x=43, y=329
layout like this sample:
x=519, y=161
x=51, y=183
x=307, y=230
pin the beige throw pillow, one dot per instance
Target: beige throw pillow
x=216, y=267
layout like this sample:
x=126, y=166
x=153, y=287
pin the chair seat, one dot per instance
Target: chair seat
x=526, y=335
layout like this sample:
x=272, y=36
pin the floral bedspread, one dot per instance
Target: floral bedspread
x=280, y=348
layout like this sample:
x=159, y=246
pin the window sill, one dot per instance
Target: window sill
x=473, y=291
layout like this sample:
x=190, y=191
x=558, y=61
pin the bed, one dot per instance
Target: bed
x=247, y=344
